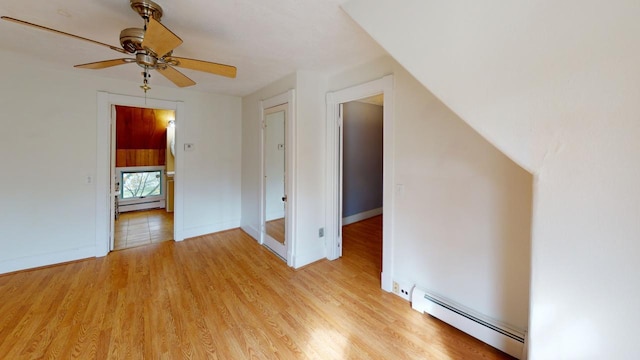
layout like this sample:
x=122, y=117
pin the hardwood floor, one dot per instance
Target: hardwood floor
x=220, y=296
x=275, y=229
x=137, y=228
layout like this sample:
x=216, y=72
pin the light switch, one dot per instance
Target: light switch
x=189, y=147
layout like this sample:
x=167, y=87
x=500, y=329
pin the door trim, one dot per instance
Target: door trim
x=385, y=86
x=290, y=160
x=104, y=203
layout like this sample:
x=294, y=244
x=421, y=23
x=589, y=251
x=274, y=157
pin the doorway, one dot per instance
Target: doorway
x=361, y=172
x=335, y=112
x=143, y=168
x=277, y=176
x=105, y=206
x=275, y=120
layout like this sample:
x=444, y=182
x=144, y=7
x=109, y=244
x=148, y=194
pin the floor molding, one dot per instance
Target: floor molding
x=361, y=216
x=37, y=261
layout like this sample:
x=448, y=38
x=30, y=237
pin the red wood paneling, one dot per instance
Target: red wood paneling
x=141, y=136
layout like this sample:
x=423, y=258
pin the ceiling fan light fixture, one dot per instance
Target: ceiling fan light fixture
x=147, y=61
x=152, y=47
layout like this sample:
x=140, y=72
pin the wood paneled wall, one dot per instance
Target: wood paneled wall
x=141, y=136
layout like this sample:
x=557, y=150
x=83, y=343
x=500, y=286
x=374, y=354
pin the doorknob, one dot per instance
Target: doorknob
x=284, y=198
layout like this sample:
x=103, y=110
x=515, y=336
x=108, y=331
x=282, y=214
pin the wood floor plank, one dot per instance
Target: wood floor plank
x=221, y=296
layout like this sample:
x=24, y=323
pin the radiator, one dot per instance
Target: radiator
x=497, y=335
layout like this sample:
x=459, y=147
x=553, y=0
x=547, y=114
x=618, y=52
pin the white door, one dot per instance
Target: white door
x=274, y=182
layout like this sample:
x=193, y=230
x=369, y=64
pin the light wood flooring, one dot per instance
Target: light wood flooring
x=136, y=228
x=275, y=229
x=221, y=296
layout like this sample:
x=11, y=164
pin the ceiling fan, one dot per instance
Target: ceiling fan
x=152, y=46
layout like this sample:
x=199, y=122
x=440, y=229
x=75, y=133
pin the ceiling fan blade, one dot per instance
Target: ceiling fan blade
x=201, y=65
x=104, y=64
x=22, y=22
x=159, y=39
x=175, y=76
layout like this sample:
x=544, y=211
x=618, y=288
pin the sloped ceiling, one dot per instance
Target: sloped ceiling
x=264, y=39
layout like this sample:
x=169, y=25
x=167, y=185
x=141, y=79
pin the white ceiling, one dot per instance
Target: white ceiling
x=265, y=39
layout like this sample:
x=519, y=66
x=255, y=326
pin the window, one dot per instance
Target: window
x=140, y=184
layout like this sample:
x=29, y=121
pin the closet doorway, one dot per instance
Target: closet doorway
x=143, y=169
x=361, y=155
x=335, y=111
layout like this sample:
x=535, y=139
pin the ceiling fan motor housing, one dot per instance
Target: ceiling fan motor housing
x=131, y=39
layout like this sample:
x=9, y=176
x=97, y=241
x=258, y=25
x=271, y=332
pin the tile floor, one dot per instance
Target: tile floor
x=144, y=227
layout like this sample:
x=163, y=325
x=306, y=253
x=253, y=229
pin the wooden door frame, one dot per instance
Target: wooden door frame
x=385, y=86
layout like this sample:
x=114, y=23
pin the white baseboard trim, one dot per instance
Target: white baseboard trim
x=252, y=231
x=30, y=262
x=361, y=216
x=210, y=229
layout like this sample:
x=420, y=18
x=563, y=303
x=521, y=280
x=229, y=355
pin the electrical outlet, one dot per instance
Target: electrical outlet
x=403, y=289
x=321, y=232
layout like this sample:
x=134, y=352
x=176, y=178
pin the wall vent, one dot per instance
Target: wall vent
x=497, y=335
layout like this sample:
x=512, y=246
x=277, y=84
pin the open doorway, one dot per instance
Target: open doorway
x=335, y=112
x=143, y=167
x=105, y=204
x=362, y=173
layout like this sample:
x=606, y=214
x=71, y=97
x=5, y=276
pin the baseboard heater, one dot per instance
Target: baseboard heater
x=141, y=205
x=499, y=336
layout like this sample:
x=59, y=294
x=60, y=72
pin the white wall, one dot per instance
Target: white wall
x=555, y=86
x=212, y=172
x=48, y=138
x=310, y=166
x=462, y=222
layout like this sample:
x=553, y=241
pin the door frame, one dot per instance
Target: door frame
x=104, y=202
x=287, y=98
x=273, y=244
x=333, y=221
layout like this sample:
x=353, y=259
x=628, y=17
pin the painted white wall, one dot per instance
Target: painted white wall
x=462, y=221
x=48, y=138
x=555, y=86
x=310, y=166
x=212, y=172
